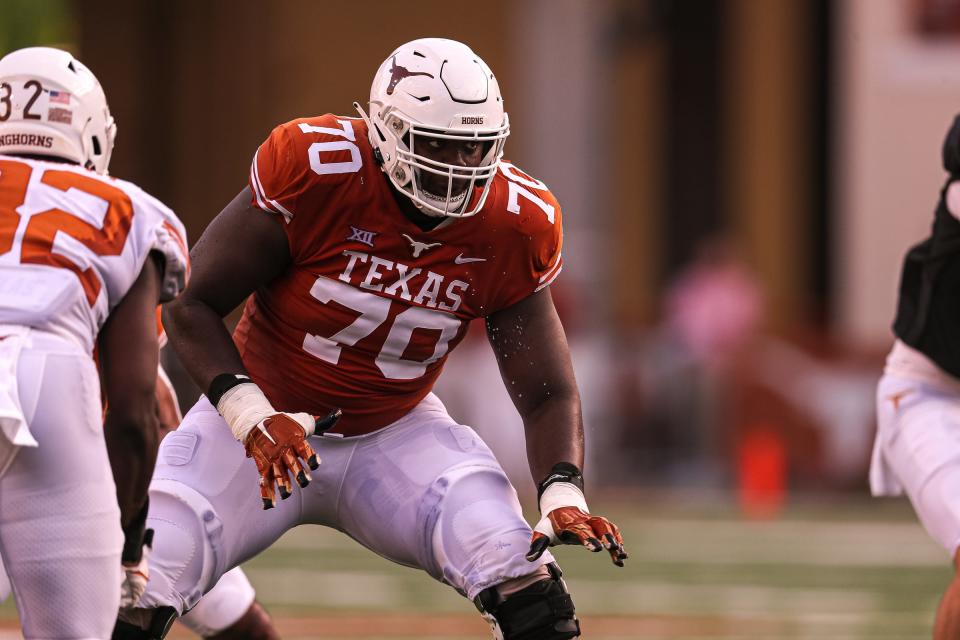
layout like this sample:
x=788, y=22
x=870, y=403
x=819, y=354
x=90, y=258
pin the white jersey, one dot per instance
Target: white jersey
x=72, y=243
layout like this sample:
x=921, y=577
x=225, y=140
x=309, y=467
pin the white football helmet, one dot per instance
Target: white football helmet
x=440, y=89
x=52, y=105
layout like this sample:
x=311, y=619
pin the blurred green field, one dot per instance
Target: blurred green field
x=828, y=568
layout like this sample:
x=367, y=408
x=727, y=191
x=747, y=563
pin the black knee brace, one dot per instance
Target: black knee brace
x=158, y=627
x=542, y=611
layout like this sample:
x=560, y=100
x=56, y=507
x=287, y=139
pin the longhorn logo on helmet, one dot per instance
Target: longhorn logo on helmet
x=398, y=73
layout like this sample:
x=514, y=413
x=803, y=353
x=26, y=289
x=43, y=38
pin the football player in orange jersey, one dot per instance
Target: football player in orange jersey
x=364, y=247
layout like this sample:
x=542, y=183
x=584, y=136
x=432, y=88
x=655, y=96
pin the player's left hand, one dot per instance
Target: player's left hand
x=571, y=525
x=567, y=520
x=136, y=574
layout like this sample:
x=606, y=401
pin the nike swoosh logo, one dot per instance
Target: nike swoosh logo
x=461, y=260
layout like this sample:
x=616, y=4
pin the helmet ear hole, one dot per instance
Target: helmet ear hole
x=96, y=146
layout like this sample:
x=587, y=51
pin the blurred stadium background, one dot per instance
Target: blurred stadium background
x=740, y=179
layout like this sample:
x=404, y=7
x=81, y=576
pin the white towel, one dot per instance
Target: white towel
x=13, y=424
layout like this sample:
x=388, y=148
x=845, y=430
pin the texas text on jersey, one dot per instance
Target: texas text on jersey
x=366, y=315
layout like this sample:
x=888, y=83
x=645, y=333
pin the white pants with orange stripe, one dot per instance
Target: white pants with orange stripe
x=221, y=608
x=59, y=521
x=917, y=451
x=424, y=492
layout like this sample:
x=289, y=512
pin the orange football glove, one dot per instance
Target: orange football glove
x=277, y=445
x=567, y=520
x=570, y=525
x=276, y=441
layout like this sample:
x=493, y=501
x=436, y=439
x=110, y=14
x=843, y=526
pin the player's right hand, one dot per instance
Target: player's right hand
x=278, y=446
x=571, y=525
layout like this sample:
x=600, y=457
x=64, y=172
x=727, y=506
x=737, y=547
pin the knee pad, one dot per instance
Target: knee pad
x=222, y=607
x=542, y=611
x=475, y=531
x=184, y=562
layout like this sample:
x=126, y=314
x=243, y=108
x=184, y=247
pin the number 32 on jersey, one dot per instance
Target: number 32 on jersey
x=42, y=228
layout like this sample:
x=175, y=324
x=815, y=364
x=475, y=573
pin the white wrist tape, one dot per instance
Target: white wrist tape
x=244, y=407
x=562, y=494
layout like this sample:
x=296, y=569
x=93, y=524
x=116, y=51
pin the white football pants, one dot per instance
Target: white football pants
x=59, y=521
x=219, y=609
x=424, y=492
x=917, y=450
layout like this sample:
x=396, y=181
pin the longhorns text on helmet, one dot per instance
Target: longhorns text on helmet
x=435, y=88
x=52, y=105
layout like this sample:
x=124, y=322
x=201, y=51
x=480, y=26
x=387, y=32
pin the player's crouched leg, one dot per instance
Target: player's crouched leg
x=479, y=543
x=182, y=564
x=187, y=541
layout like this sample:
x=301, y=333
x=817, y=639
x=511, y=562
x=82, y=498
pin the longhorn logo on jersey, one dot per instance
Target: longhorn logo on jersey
x=419, y=247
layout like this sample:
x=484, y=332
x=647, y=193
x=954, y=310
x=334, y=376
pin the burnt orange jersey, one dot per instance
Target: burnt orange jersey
x=365, y=316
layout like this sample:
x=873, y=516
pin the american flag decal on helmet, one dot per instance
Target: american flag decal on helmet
x=59, y=97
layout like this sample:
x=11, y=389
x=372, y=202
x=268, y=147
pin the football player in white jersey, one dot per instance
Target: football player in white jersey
x=84, y=261
x=230, y=610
